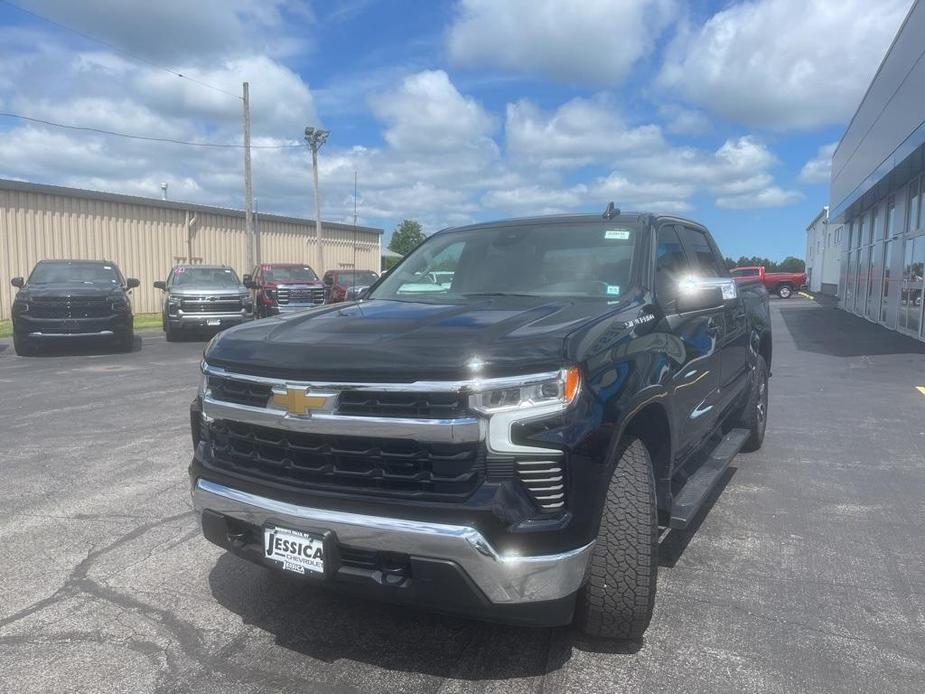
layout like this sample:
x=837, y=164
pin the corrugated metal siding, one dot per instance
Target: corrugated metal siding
x=145, y=241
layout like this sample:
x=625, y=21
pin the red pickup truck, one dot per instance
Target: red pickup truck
x=784, y=284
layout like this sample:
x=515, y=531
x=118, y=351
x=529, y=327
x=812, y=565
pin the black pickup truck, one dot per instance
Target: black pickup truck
x=507, y=443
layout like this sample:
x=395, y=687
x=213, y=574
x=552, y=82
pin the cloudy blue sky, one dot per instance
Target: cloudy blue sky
x=453, y=111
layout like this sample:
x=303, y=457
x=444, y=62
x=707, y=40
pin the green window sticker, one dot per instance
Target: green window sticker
x=613, y=290
x=617, y=234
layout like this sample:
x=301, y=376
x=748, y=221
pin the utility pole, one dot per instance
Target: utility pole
x=250, y=255
x=315, y=137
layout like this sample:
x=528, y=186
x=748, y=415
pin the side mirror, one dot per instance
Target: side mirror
x=695, y=294
x=18, y=282
x=363, y=294
x=247, y=280
x=160, y=284
x=131, y=283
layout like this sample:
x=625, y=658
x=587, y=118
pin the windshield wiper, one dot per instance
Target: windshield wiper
x=467, y=294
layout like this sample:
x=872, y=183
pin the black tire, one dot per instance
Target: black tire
x=785, y=291
x=170, y=333
x=23, y=346
x=619, y=595
x=754, y=415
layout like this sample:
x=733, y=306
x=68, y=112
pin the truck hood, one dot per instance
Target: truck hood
x=64, y=290
x=404, y=341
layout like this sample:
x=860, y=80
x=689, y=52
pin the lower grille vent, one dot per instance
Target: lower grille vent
x=545, y=482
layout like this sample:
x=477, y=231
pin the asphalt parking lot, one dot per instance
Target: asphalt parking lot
x=806, y=575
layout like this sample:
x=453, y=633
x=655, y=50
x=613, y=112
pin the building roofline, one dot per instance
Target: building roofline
x=822, y=213
x=28, y=187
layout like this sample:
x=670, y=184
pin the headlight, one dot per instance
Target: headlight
x=530, y=391
x=118, y=303
x=203, y=384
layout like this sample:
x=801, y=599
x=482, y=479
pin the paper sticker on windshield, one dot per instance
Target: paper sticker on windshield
x=613, y=289
x=617, y=235
x=107, y=267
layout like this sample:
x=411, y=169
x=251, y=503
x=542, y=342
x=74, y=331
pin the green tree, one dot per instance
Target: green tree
x=406, y=236
x=791, y=264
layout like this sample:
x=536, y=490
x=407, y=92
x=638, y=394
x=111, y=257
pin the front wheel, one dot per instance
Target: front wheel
x=754, y=415
x=619, y=596
x=785, y=291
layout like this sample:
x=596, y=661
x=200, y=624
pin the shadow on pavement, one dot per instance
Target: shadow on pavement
x=83, y=347
x=675, y=541
x=329, y=627
x=837, y=333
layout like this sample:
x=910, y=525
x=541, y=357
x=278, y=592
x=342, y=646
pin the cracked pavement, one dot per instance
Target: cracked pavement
x=806, y=574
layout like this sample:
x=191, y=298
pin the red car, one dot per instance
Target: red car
x=784, y=284
x=284, y=288
x=346, y=285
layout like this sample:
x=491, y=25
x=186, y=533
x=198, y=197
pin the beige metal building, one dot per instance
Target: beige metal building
x=146, y=236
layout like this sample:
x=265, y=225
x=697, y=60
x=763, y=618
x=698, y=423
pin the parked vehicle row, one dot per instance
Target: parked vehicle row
x=91, y=299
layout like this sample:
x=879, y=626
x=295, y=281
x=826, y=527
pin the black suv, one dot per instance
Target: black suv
x=68, y=299
x=505, y=443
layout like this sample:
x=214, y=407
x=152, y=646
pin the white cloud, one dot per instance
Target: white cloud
x=591, y=42
x=783, y=64
x=819, y=168
x=766, y=197
x=579, y=133
x=427, y=113
x=684, y=121
x=169, y=31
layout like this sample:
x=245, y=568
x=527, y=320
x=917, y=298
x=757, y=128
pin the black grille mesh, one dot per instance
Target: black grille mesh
x=395, y=467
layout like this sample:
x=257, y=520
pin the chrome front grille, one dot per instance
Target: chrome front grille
x=207, y=304
x=388, y=467
x=545, y=481
x=299, y=295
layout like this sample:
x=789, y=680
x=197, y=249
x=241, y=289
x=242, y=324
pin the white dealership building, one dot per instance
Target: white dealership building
x=823, y=254
x=878, y=177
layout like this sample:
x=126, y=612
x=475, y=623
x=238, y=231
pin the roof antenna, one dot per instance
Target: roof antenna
x=611, y=211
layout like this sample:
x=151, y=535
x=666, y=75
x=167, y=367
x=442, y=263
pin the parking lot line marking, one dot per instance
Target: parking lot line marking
x=921, y=389
x=804, y=294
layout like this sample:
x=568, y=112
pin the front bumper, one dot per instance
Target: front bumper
x=285, y=309
x=497, y=580
x=202, y=320
x=52, y=328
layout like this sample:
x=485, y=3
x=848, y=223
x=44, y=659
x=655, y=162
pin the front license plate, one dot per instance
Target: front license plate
x=214, y=321
x=294, y=550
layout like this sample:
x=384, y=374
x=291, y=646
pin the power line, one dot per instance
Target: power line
x=146, y=138
x=119, y=50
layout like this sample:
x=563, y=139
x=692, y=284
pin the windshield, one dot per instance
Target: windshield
x=219, y=277
x=584, y=260
x=289, y=273
x=360, y=277
x=76, y=273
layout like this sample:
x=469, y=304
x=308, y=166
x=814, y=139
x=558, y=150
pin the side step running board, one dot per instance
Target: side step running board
x=692, y=495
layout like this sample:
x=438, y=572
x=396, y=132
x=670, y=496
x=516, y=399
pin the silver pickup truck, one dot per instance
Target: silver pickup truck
x=203, y=297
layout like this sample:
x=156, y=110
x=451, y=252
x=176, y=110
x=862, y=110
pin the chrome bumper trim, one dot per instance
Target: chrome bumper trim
x=98, y=333
x=503, y=578
x=199, y=317
x=464, y=430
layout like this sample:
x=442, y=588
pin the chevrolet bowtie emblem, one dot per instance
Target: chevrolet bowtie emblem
x=299, y=401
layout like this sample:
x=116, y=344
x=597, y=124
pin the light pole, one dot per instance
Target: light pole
x=315, y=137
